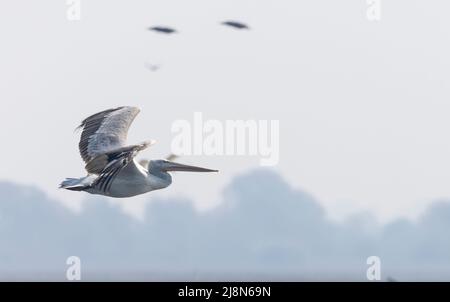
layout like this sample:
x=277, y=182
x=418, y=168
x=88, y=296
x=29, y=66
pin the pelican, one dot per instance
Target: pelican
x=110, y=162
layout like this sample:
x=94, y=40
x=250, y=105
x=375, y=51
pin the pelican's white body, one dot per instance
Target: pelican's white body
x=131, y=181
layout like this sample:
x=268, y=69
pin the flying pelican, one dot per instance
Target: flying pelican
x=236, y=24
x=163, y=29
x=110, y=164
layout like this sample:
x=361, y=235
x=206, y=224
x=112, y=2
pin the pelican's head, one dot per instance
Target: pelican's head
x=161, y=168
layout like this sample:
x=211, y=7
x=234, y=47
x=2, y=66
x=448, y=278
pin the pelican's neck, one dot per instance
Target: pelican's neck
x=159, y=179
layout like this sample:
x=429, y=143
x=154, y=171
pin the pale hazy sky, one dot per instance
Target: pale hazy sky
x=363, y=106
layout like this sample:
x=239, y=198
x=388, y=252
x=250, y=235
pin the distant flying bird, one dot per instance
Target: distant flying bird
x=163, y=29
x=152, y=67
x=110, y=164
x=170, y=157
x=236, y=24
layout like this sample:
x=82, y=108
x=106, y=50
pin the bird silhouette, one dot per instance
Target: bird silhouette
x=163, y=29
x=236, y=24
x=152, y=67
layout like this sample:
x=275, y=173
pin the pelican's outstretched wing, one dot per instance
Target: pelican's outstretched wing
x=105, y=131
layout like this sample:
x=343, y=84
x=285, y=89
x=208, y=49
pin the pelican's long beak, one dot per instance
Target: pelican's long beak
x=171, y=166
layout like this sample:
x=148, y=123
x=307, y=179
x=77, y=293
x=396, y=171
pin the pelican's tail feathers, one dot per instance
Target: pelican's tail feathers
x=76, y=184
